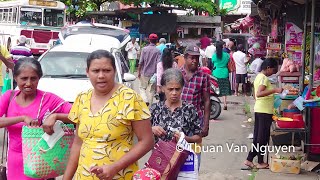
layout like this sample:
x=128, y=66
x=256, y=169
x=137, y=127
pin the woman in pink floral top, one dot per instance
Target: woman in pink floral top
x=21, y=108
x=166, y=62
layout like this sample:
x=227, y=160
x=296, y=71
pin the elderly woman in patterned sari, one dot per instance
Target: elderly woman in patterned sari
x=172, y=116
x=106, y=118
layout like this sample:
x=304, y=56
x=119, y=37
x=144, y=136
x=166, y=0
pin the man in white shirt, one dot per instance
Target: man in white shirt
x=133, y=49
x=255, y=66
x=209, y=52
x=202, y=57
x=241, y=60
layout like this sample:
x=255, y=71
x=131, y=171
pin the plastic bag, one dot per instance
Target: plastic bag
x=153, y=79
x=190, y=169
x=6, y=84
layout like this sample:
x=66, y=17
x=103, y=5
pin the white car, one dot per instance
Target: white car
x=64, y=69
x=122, y=35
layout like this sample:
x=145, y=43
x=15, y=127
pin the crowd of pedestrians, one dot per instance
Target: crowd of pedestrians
x=185, y=99
x=108, y=115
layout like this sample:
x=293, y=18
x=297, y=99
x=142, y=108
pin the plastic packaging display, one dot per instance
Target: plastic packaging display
x=284, y=93
x=277, y=102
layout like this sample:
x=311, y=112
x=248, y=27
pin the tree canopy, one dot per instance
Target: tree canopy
x=79, y=7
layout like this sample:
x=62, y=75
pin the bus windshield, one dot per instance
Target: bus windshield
x=31, y=16
x=53, y=17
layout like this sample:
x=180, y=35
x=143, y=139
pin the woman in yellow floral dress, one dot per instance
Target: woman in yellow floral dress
x=107, y=116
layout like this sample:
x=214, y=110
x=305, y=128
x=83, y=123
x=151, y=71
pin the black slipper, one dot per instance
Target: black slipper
x=247, y=168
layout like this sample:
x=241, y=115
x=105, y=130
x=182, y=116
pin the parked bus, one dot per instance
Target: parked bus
x=39, y=20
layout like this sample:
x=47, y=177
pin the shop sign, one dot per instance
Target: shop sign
x=126, y=23
x=274, y=46
x=293, y=47
x=236, y=7
x=43, y=3
x=229, y=5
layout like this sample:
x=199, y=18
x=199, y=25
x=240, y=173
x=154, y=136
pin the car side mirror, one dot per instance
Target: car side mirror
x=127, y=77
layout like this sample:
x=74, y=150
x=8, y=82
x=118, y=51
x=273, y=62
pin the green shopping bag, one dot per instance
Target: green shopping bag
x=6, y=84
x=39, y=161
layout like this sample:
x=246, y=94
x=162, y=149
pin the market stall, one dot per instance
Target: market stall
x=295, y=43
x=301, y=114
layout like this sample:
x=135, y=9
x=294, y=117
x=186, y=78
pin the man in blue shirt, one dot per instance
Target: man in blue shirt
x=162, y=44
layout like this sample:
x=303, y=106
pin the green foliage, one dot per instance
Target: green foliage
x=199, y=5
x=82, y=7
x=253, y=175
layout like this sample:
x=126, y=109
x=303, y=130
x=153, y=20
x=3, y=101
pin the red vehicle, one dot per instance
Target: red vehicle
x=215, y=109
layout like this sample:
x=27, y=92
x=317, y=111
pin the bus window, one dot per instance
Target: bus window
x=53, y=17
x=1, y=15
x=31, y=16
x=14, y=17
x=9, y=15
x=5, y=16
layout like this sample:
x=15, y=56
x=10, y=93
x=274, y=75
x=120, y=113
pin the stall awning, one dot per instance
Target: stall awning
x=198, y=26
x=199, y=19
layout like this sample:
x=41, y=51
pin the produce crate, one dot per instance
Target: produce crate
x=285, y=166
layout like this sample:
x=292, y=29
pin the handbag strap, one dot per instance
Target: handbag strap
x=40, y=107
x=4, y=142
x=54, y=110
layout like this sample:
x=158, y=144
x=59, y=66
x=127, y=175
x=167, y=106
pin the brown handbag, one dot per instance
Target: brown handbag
x=167, y=160
x=3, y=168
x=231, y=65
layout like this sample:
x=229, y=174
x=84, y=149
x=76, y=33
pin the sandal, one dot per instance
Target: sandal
x=250, y=166
x=266, y=166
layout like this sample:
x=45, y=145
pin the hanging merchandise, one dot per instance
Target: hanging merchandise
x=257, y=43
x=317, y=59
x=274, y=29
x=289, y=65
x=293, y=40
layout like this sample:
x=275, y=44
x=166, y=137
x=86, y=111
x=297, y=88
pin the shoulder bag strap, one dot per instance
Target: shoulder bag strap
x=4, y=141
x=54, y=110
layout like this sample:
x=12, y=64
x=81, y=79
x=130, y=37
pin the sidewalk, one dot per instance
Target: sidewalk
x=266, y=174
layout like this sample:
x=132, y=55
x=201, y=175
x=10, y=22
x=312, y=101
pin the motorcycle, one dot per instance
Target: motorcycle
x=215, y=102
